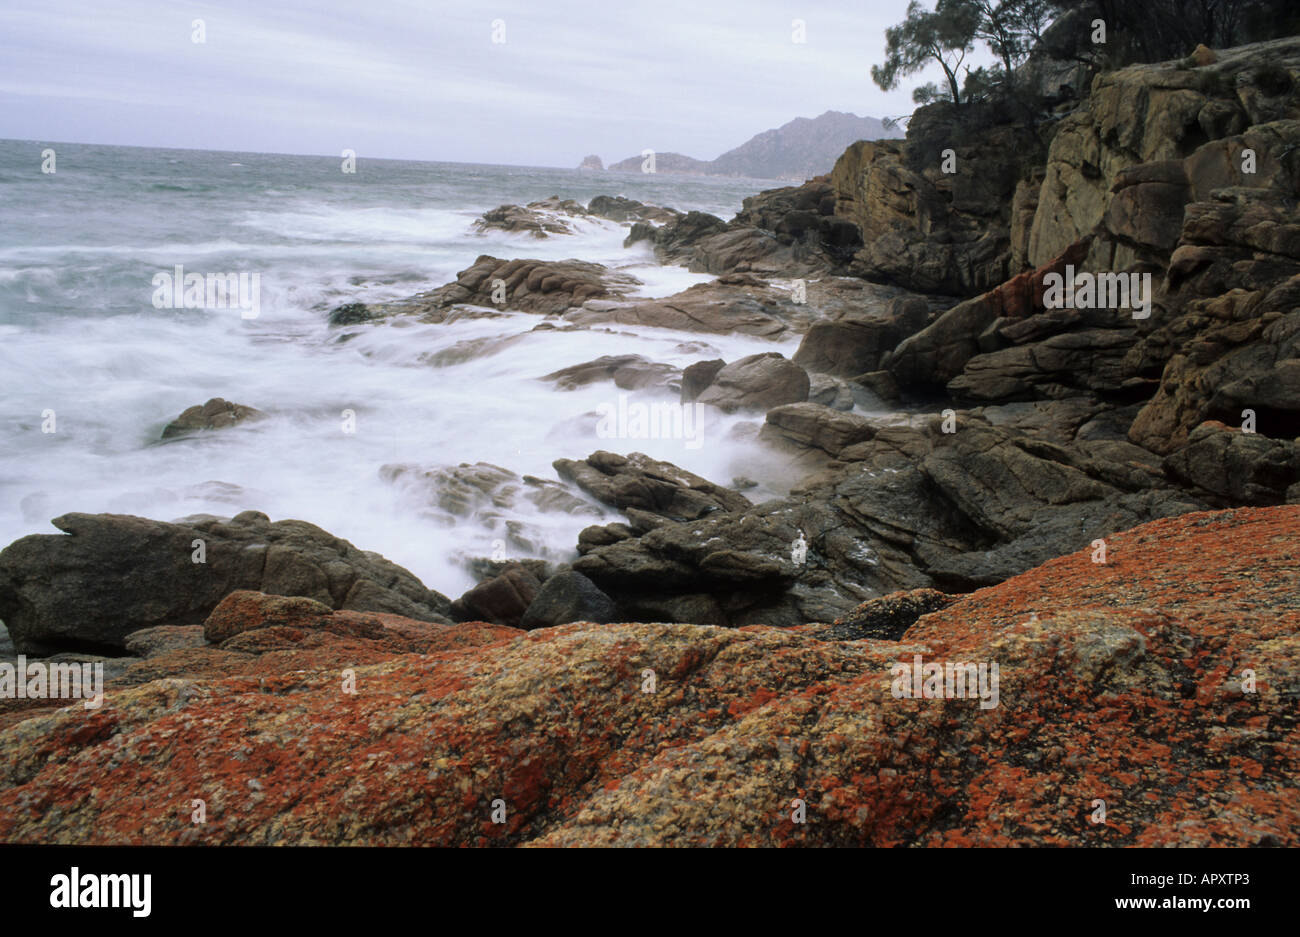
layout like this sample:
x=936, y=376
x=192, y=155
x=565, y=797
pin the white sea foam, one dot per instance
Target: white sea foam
x=79, y=337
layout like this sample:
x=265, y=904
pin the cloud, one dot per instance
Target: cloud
x=412, y=80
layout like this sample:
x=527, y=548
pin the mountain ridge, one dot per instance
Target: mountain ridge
x=799, y=149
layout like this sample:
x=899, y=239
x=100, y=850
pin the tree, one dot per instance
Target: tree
x=944, y=36
x=999, y=28
x=1030, y=18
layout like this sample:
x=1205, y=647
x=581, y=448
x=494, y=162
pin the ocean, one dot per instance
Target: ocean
x=85, y=352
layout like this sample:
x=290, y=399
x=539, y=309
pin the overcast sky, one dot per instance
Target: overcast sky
x=424, y=80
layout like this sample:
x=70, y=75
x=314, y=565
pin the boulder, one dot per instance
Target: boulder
x=757, y=382
x=674, y=243
x=351, y=314
x=501, y=600
x=108, y=575
x=628, y=372
x=640, y=482
x=830, y=392
x=1238, y=467
x=618, y=208
x=812, y=424
x=539, y=286
x=215, y=414
x=567, y=597
x=247, y=610
x=705, y=307
x=852, y=344
x=538, y=219
x=787, y=232
x=881, y=384
x=698, y=376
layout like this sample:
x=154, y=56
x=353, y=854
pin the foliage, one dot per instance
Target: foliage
x=1015, y=30
x=944, y=37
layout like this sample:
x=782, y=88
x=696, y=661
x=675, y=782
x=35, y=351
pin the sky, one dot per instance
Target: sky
x=405, y=79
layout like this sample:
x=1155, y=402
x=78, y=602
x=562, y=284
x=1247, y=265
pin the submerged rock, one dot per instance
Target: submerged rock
x=628, y=372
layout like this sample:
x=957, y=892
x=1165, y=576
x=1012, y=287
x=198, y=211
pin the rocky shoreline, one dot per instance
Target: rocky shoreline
x=1120, y=684
x=1102, y=499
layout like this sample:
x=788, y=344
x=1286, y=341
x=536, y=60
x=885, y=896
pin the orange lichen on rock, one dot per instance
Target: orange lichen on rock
x=1147, y=701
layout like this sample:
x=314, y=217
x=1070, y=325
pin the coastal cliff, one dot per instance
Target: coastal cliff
x=1101, y=499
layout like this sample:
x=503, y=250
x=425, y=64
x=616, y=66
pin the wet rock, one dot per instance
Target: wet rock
x=830, y=392
x=628, y=372
x=788, y=232
x=490, y=497
x=813, y=424
x=602, y=535
x=757, y=382
x=539, y=286
x=109, y=575
x=568, y=597
x=538, y=219
x=675, y=242
x=638, y=481
x=696, y=377
x=909, y=507
x=502, y=600
x=706, y=307
x=1241, y=468
x=880, y=383
x=618, y=208
x=856, y=341
x=215, y=414
x=351, y=314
